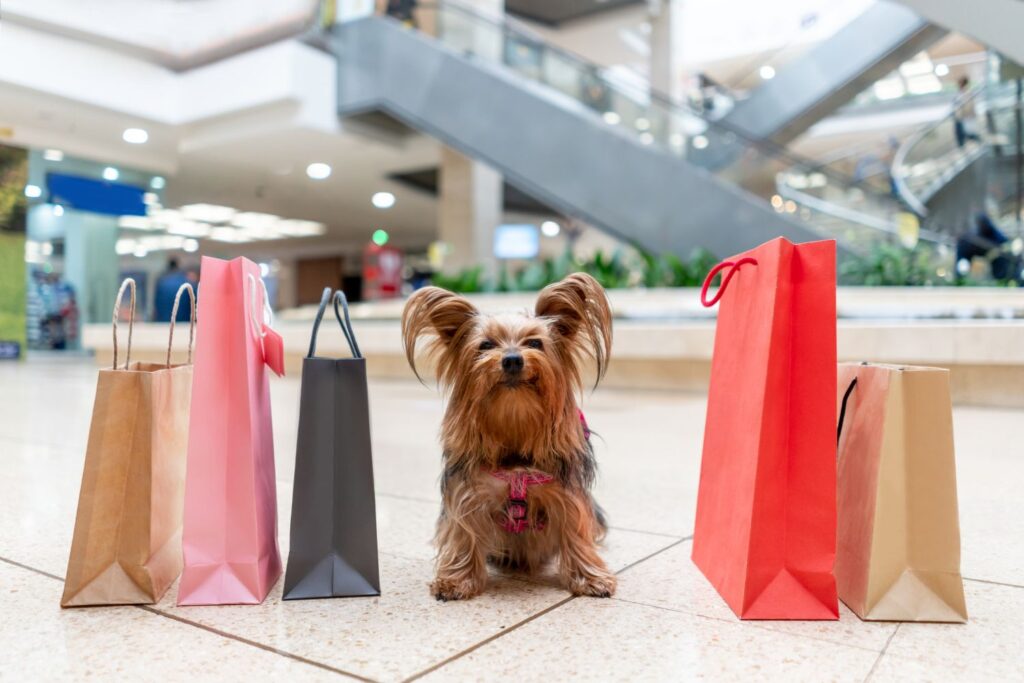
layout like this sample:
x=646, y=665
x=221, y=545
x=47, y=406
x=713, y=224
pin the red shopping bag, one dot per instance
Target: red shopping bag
x=230, y=524
x=766, y=509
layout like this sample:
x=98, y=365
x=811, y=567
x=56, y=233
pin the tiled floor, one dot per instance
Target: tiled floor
x=665, y=622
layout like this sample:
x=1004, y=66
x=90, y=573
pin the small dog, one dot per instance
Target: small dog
x=518, y=464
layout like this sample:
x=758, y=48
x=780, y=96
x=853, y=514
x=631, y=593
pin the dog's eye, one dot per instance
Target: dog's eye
x=535, y=344
x=486, y=345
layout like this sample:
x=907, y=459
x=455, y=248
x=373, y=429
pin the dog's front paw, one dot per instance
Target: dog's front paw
x=594, y=585
x=445, y=589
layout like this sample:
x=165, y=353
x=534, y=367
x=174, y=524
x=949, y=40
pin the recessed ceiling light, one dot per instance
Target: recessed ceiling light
x=941, y=70
x=300, y=228
x=190, y=245
x=550, y=228
x=383, y=200
x=611, y=118
x=318, y=170
x=157, y=182
x=140, y=252
x=642, y=124
x=135, y=136
x=33, y=191
x=53, y=155
x=700, y=142
x=58, y=210
x=767, y=72
x=210, y=213
x=110, y=173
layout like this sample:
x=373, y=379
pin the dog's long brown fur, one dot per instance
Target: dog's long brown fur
x=529, y=421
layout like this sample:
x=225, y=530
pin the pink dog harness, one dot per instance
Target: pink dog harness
x=519, y=482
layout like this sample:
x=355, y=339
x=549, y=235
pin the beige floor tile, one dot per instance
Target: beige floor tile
x=390, y=637
x=42, y=642
x=991, y=642
x=609, y=640
x=671, y=580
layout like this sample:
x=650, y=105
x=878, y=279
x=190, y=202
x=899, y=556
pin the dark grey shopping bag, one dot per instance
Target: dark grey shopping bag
x=333, y=529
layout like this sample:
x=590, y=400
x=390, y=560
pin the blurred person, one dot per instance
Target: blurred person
x=964, y=118
x=986, y=241
x=167, y=286
x=403, y=10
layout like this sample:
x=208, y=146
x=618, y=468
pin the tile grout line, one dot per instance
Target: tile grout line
x=994, y=583
x=751, y=623
x=532, y=617
x=878, y=659
x=203, y=627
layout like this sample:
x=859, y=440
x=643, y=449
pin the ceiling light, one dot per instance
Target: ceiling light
x=642, y=123
x=941, y=70
x=53, y=155
x=380, y=237
x=33, y=191
x=136, y=136
x=157, y=182
x=318, y=171
x=190, y=245
x=767, y=72
x=611, y=118
x=210, y=213
x=110, y=173
x=777, y=201
x=140, y=252
x=383, y=200
x=298, y=228
x=550, y=228
x=134, y=223
x=232, y=235
x=699, y=142
x=189, y=228
x=58, y=210
x=676, y=139
x=790, y=206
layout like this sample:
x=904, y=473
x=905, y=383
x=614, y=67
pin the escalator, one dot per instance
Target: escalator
x=947, y=183
x=831, y=73
x=631, y=163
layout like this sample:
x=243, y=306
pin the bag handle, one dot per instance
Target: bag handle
x=734, y=266
x=191, y=319
x=254, y=315
x=842, y=410
x=130, y=284
x=343, y=320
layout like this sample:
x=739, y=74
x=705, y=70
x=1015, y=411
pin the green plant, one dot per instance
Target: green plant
x=891, y=265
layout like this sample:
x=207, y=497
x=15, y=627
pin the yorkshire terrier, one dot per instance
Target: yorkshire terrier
x=518, y=464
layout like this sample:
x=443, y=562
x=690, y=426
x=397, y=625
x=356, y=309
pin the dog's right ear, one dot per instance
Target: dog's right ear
x=432, y=310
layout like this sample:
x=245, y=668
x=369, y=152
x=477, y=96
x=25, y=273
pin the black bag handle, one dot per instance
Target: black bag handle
x=343, y=321
x=842, y=410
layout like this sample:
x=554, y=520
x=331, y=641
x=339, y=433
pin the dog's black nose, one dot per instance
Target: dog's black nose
x=512, y=363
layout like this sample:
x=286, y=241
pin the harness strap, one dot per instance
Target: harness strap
x=519, y=482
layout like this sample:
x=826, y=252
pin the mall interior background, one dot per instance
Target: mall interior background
x=494, y=145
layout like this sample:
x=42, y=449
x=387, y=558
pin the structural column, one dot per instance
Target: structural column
x=469, y=210
x=666, y=64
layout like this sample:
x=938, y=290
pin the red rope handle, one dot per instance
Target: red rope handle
x=725, y=279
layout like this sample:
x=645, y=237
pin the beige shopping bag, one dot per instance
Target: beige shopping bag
x=127, y=543
x=898, y=554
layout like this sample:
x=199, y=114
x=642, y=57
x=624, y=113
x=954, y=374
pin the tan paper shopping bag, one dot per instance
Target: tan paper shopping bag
x=127, y=543
x=898, y=554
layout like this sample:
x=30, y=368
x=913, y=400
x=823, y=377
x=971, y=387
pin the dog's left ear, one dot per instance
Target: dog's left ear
x=579, y=311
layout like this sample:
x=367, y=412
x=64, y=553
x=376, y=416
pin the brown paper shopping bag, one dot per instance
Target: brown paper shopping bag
x=898, y=554
x=127, y=543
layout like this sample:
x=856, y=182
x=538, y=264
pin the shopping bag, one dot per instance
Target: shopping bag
x=230, y=527
x=766, y=507
x=333, y=546
x=898, y=553
x=126, y=548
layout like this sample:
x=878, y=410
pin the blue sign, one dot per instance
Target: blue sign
x=98, y=196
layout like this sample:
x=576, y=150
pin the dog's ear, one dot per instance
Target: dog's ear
x=432, y=310
x=579, y=311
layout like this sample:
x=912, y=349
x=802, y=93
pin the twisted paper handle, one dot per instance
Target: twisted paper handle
x=129, y=283
x=734, y=266
x=192, y=321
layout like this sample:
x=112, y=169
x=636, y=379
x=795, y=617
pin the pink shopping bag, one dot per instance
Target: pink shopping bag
x=230, y=524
